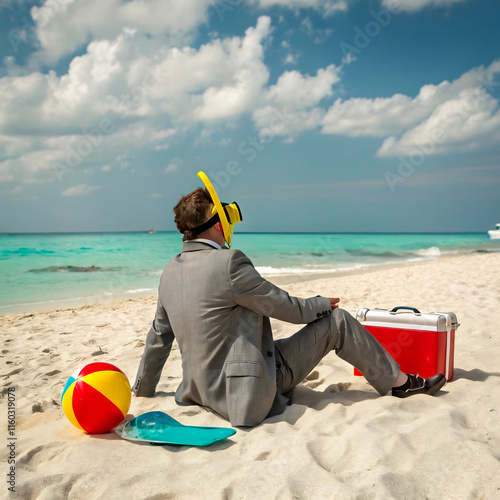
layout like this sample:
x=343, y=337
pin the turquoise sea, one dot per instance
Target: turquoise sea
x=40, y=271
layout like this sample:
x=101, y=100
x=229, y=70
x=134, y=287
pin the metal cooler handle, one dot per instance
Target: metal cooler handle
x=414, y=309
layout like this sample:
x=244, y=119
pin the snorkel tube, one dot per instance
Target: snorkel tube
x=218, y=206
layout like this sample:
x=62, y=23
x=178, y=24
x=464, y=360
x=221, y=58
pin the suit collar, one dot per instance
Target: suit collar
x=193, y=246
x=209, y=242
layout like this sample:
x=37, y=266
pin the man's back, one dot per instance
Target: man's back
x=217, y=337
x=218, y=307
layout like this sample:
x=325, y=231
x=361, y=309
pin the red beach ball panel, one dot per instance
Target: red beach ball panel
x=90, y=413
x=98, y=367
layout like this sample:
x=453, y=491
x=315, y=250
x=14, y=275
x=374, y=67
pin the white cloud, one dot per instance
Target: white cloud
x=156, y=195
x=249, y=74
x=377, y=117
x=326, y=7
x=30, y=168
x=47, y=103
x=416, y=5
x=50, y=158
x=293, y=102
x=469, y=121
x=125, y=94
x=319, y=35
x=66, y=25
x=296, y=91
x=173, y=166
x=164, y=134
x=80, y=190
x=14, y=145
x=349, y=58
x=467, y=118
x=134, y=92
x=461, y=115
x=134, y=77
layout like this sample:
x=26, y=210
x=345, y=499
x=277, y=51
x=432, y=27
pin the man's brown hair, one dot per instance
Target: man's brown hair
x=191, y=211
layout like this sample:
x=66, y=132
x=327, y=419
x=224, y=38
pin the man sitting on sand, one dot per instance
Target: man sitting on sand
x=213, y=301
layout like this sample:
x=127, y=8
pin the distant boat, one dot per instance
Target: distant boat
x=495, y=233
x=151, y=231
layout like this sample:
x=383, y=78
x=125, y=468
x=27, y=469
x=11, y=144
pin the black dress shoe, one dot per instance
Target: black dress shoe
x=419, y=385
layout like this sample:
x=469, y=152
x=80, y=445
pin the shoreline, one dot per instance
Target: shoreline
x=278, y=279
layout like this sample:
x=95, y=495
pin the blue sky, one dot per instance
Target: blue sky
x=315, y=115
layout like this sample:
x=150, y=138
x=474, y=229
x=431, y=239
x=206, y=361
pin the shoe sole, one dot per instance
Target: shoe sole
x=436, y=387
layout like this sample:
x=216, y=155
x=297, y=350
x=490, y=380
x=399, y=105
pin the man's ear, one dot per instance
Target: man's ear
x=218, y=226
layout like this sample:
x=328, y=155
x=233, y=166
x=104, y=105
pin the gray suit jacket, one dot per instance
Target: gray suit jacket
x=218, y=307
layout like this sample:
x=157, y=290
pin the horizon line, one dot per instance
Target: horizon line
x=245, y=232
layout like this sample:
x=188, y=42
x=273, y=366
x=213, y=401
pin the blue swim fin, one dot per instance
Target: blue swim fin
x=159, y=428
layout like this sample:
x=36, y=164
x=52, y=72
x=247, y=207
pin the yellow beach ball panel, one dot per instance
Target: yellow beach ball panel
x=112, y=385
x=67, y=404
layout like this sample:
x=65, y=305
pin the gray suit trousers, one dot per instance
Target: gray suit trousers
x=297, y=355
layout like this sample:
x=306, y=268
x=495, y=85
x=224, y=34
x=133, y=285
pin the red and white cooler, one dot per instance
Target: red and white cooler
x=422, y=343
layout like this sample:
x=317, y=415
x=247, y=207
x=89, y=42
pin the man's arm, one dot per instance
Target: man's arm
x=158, y=345
x=254, y=292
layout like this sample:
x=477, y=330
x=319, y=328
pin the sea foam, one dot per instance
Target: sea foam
x=428, y=252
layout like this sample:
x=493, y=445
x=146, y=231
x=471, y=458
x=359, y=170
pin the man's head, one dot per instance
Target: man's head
x=200, y=214
x=193, y=210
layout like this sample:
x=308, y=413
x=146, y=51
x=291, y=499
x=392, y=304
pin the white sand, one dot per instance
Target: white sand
x=339, y=439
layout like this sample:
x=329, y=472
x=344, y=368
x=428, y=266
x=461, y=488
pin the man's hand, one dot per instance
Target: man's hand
x=334, y=303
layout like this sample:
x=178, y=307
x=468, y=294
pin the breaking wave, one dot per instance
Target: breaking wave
x=428, y=252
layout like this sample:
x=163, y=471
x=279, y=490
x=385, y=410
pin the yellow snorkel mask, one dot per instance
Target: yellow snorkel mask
x=227, y=214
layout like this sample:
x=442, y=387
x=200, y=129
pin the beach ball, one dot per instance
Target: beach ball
x=96, y=398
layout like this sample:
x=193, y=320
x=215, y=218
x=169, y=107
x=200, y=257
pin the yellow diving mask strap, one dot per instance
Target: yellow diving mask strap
x=218, y=207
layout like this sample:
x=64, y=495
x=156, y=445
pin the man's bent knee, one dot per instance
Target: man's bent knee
x=338, y=317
